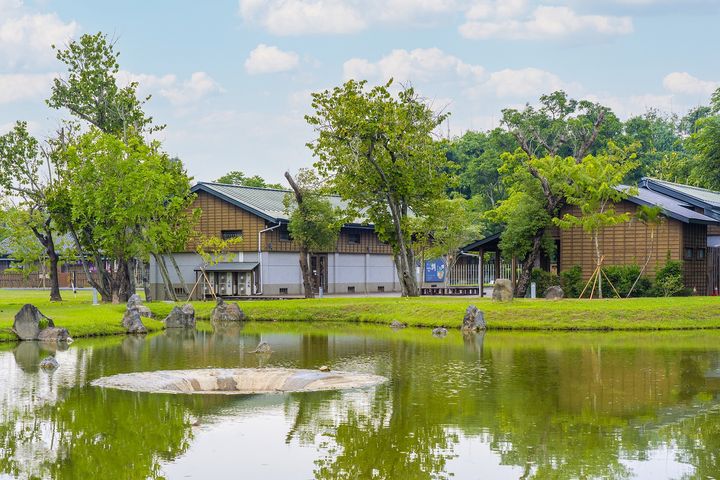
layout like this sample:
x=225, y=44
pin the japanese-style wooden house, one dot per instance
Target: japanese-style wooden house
x=265, y=262
x=689, y=232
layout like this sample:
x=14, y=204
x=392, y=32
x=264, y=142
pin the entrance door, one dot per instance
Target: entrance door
x=319, y=269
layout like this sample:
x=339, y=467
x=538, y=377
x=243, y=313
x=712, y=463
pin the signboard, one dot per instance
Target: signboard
x=435, y=270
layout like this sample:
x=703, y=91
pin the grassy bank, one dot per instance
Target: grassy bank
x=83, y=319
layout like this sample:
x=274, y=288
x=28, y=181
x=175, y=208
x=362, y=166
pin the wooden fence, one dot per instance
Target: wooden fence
x=37, y=280
x=466, y=272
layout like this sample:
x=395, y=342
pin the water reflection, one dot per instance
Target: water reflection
x=528, y=405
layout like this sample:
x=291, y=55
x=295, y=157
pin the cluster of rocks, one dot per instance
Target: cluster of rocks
x=226, y=312
x=31, y=324
x=554, y=293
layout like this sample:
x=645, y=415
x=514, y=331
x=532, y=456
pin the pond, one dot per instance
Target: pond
x=499, y=405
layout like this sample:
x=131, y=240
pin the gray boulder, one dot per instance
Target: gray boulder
x=135, y=302
x=226, y=312
x=49, y=363
x=502, y=290
x=181, y=317
x=132, y=322
x=474, y=320
x=439, y=332
x=554, y=293
x=395, y=324
x=263, y=347
x=27, y=324
x=54, y=334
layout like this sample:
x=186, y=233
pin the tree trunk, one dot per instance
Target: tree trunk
x=599, y=267
x=54, y=277
x=306, y=273
x=179, y=274
x=529, y=264
x=169, y=290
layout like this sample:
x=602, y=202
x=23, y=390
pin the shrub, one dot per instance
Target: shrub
x=669, y=280
x=622, y=277
x=543, y=280
x=571, y=280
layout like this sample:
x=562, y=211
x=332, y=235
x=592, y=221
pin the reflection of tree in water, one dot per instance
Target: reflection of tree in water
x=698, y=443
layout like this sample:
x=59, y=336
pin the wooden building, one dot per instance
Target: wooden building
x=689, y=232
x=265, y=262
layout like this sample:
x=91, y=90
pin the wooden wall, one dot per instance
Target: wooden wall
x=218, y=215
x=695, y=270
x=622, y=244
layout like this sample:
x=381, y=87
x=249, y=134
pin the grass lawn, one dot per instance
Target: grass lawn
x=82, y=319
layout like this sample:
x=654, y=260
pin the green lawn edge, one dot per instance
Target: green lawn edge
x=82, y=319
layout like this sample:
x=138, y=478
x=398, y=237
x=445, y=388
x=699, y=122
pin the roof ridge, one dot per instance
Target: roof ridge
x=684, y=185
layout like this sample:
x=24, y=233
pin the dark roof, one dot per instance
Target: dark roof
x=671, y=207
x=490, y=241
x=694, y=195
x=266, y=203
x=230, y=267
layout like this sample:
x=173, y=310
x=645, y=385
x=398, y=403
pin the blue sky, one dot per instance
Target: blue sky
x=232, y=79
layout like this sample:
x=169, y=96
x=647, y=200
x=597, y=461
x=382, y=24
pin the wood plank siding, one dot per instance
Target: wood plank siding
x=219, y=216
x=623, y=244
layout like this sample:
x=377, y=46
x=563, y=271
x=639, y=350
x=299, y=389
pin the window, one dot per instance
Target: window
x=284, y=235
x=688, y=255
x=700, y=252
x=283, y=290
x=354, y=238
x=228, y=234
x=351, y=289
x=381, y=288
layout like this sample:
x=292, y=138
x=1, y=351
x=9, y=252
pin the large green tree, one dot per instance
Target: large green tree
x=28, y=175
x=123, y=201
x=381, y=155
x=559, y=129
x=705, y=144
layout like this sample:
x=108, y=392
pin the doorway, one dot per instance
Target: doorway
x=319, y=270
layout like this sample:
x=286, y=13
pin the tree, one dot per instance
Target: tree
x=90, y=90
x=122, y=201
x=238, y=178
x=379, y=153
x=705, y=144
x=593, y=188
x=27, y=174
x=314, y=223
x=651, y=216
x=560, y=129
x=658, y=142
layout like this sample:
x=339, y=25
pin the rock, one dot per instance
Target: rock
x=554, y=293
x=226, y=312
x=27, y=324
x=474, y=320
x=397, y=325
x=135, y=302
x=263, y=347
x=49, y=363
x=132, y=323
x=181, y=317
x=502, y=290
x=54, y=334
x=324, y=368
x=439, y=332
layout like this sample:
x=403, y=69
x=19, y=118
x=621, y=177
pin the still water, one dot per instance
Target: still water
x=499, y=405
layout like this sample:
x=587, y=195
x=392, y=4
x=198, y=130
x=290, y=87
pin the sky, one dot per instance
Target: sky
x=232, y=80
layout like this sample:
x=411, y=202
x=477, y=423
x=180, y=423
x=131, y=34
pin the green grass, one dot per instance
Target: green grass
x=681, y=313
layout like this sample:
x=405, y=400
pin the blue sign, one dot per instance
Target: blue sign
x=435, y=270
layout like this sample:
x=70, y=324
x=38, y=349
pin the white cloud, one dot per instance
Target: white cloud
x=525, y=83
x=197, y=87
x=300, y=17
x=18, y=86
x=545, y=22
x=685, y=84
x=421, y=64
x=269, y=59
x=26, y=39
